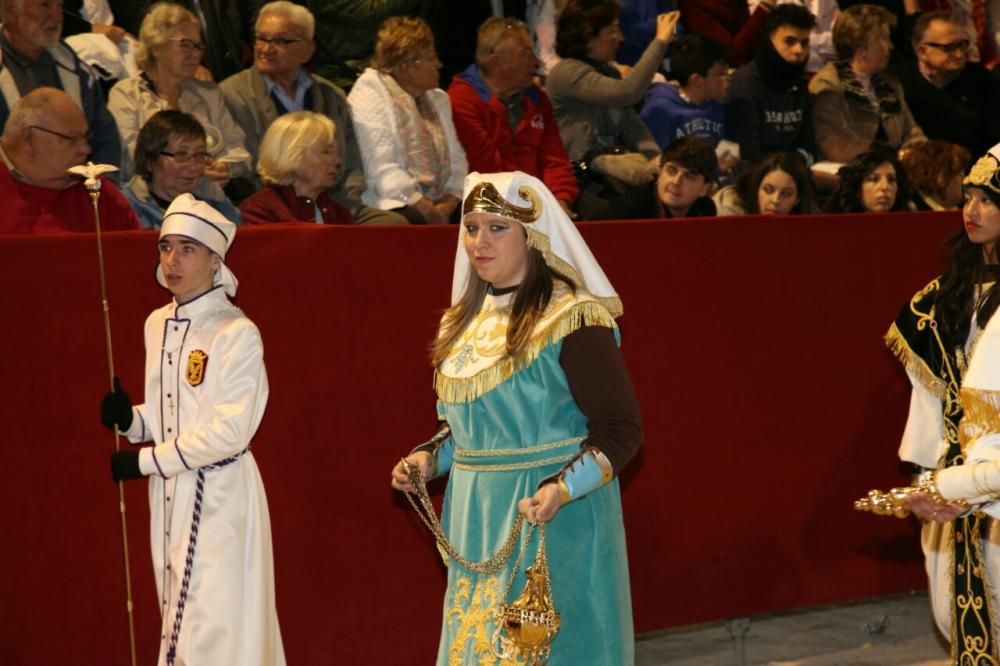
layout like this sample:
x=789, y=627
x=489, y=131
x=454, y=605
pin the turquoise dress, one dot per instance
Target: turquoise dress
x=508, y=434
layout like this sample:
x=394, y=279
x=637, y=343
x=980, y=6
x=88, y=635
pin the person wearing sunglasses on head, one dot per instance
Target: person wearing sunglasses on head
x=169, y=53
x=952, y=98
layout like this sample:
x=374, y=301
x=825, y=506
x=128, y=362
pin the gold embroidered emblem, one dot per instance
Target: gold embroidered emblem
x=983, y=173
x=197, y=362
x=470, y=621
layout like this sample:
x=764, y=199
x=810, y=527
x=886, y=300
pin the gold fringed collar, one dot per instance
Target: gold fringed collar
x=897, y=344
x=478, y=361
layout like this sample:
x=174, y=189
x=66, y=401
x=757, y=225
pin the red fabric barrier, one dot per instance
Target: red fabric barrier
x=754, y=344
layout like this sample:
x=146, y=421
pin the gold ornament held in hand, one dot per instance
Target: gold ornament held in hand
x=531, y=621
x=892, y=503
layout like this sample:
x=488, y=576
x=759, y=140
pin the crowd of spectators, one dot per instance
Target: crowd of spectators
x=317, y=111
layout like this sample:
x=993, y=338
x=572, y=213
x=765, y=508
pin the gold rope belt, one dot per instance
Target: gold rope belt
x=478, y=460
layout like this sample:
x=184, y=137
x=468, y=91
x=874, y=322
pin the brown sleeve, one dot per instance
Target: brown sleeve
x=600, y=385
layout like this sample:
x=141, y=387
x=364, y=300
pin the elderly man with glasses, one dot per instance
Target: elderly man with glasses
x=46, y=133
x=278, y=83
x=33, y=55
x=951, y=98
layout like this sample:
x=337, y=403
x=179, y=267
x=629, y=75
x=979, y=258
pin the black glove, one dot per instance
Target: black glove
x=116, y=407
x=125, y=465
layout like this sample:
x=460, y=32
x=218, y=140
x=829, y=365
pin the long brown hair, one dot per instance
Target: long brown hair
x=530, y=300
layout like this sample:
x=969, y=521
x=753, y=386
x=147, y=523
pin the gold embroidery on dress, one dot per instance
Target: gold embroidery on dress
x=478, y=361
x=946, y=386
x=472, y=609
x=975, y=652
x=912, y=361
x=980, y=416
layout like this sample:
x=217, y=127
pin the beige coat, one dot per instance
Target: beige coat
x=845, y=128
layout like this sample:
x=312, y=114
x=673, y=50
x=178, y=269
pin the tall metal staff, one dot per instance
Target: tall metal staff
x=91, y=173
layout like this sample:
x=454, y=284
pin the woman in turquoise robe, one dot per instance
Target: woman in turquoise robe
x=539, y=417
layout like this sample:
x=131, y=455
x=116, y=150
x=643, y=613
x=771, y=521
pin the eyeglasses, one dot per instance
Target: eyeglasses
x=431, y=56
x=77, y=140
x=961, y=46
x=188, y=158
x=188, y=46
x=276, y=42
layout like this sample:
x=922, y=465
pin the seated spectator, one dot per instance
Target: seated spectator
x=225, y=25
x=414, y=162
x=856, y=102
x=278, y=83
x=503, y=120
x=592, y=102
x=692, y=103
x=170, y=158
x=951, y=98
x=34, y=57
x=298, y=165
x=874, y=182
x=934, y=170
x=345, y=33
x=779, y=184
x=728, y=22
x=821, y=49
x=169, y=51
x=45, y=134
x=688, y=169
x=769, y=106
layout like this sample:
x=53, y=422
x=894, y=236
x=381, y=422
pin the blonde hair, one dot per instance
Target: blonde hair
x=285, y=142
x=300, y=17
x=160, y=23
x=399, y=38
x=858, y=26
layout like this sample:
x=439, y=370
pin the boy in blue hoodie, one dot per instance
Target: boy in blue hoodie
x=693, y=102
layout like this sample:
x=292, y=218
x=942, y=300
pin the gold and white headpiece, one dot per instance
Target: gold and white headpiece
x=549, y=230
x=484, y=198
x=985, y=173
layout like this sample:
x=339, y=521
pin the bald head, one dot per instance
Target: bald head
x=46, y=133
x=43, y=104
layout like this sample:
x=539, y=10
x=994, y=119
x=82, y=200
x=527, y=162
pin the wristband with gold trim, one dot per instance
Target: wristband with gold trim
x=587, y=471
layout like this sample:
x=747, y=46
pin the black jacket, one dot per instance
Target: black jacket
x=966, y=111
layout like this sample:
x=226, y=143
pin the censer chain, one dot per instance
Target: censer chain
x=430, y=519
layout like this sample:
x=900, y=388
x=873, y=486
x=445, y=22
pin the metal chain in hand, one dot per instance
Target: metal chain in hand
x=430, y=519
x=520, y=556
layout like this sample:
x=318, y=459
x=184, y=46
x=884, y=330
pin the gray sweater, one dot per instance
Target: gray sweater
x=252, y=107
x=593, y=106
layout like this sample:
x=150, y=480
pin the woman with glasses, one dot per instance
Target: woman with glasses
x=414, y=163
x=856, y=102
x=170, y=160
x=169, y=52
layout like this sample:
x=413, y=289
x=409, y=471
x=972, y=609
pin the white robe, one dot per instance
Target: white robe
x=197, y=421
x=924, y=443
